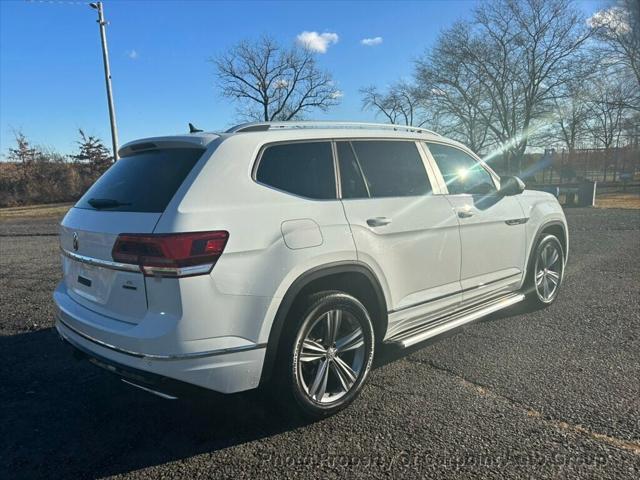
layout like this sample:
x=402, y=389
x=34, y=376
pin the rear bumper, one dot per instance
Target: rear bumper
x=162, y=386
x=222, y=369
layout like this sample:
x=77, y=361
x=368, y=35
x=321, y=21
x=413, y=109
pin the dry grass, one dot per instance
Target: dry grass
x=34, y=211
x=618, y=200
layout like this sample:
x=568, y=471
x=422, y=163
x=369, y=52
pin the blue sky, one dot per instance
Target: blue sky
x=51, y=77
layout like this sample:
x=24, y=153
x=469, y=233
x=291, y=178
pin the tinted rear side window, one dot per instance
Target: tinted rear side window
x=143, y=182
x=304, y=169
x=392, y=168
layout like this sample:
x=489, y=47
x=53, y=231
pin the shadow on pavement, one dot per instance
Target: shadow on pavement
x=65, y=418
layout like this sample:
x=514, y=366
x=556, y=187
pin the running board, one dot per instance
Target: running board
x=436, y=327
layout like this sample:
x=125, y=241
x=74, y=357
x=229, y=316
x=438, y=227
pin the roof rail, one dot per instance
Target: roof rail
x=263, y=126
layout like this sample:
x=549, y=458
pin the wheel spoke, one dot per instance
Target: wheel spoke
x=345, y=373
x=319, y=385
x=545, y=284
x=334, y=318
x=330, y=357
x=312, y=351
x=539, y=277
x=350, y=342
x=545, y=255
x=553, y=258
x=554, y=277
x=342, y=378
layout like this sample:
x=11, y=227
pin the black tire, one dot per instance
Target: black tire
x=546, y=272
x=298, y=369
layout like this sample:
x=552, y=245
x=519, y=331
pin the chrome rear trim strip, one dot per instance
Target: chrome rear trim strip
x=170, y=272
x=151, y=356
x=166, y=396
x=98, y=262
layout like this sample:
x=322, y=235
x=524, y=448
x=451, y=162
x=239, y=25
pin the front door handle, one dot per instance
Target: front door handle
x=378, y=221
x=465, y=214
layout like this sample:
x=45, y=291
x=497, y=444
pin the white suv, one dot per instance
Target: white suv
x=287, y=253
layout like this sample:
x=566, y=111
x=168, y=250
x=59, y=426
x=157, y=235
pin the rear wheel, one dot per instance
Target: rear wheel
x=546, y=272
x=328, y=354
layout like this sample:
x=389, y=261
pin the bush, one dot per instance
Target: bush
x=33, y=175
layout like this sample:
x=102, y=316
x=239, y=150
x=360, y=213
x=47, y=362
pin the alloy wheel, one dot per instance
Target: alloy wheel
x=549, y=265
x=331, y=356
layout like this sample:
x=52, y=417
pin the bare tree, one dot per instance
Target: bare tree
x=572, y=112
x=452, y=94
x=399, y=104
x=608, y=111
x=618, y=28
x=271, y=83
x=24, y=154
x=512, y=57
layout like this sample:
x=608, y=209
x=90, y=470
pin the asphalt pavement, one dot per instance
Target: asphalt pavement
x=552, y=393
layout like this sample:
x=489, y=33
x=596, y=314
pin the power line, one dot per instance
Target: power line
x=67, y=2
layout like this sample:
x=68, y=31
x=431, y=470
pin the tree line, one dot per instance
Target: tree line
x=32, y=174
x=517, y=75
x=527, y=73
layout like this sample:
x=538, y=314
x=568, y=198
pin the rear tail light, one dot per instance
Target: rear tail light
x=171, y=255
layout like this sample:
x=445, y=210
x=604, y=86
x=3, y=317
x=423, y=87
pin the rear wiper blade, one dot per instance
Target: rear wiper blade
x=100, y=203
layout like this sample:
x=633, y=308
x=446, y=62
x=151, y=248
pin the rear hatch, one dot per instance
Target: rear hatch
x=129, y=198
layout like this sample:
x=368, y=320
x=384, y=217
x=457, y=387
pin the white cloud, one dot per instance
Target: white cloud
x=317, y=42
x=371, y=42
x=614, y=19
x=132, y=54
x=337, y=94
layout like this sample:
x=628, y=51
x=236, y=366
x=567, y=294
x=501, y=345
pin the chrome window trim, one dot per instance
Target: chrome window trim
x=151, y=356
x=364, y=180
x=98, y=262
x=333, y=140
x=336, y=170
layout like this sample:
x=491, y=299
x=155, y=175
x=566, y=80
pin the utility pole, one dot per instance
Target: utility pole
x=107, y=77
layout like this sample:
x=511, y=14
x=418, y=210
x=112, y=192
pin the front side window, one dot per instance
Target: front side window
x=461, y=172
x=391, y=168
x=304, y=169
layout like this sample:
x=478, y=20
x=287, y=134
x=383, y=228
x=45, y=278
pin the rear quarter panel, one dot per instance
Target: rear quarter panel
x=257, y=262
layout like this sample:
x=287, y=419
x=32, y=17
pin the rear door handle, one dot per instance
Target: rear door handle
x=465, y=214
x=378, y=221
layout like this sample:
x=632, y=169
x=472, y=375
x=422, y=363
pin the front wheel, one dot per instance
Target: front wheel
x=330, y=354
x=547, y=271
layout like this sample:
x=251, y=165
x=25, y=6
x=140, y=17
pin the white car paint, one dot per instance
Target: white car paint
x=213, y=330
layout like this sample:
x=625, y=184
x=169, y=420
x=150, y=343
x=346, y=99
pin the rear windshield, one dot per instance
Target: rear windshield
x=143, y=182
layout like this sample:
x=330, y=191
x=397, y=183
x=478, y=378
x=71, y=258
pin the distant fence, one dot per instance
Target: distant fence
x=612, y=167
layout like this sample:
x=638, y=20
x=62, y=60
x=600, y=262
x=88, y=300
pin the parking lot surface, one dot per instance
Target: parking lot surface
x=545, y=394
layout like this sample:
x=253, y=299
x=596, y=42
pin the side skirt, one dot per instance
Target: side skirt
x=448, y=322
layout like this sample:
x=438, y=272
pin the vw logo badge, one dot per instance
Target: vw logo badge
x=75, y=241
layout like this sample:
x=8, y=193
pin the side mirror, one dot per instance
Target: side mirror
x=511, y=186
